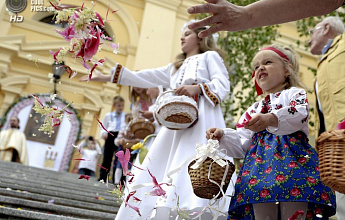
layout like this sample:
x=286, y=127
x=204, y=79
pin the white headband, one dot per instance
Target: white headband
x=215, y=35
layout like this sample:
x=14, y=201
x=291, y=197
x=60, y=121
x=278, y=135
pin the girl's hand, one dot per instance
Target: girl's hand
x=214, y=133
x=188, y=90
x=147, y=114
x=261, y=121
x=96, y=76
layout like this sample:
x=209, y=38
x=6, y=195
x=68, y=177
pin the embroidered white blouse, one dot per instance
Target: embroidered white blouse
x=206, y=69
x=292, y=110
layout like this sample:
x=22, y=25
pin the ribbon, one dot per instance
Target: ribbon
x=208, y=150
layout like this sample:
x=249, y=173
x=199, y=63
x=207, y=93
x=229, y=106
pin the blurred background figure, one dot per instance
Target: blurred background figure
x=13, y=144
x=114, y=122
x=90, y=151
x=140, y=101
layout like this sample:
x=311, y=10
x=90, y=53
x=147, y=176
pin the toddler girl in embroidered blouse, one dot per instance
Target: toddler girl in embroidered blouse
x=280, y=168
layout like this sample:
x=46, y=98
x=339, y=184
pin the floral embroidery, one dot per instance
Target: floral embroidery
x=117, y=73
x=211, y=96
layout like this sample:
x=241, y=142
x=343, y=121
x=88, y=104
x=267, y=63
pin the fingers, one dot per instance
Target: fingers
x=210, y=31
x=205, y=8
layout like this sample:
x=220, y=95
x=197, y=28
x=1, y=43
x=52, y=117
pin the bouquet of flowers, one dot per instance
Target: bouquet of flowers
x=84, y=32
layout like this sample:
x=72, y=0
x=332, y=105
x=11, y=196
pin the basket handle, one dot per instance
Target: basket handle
x=163, y=93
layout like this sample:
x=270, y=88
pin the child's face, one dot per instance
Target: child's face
x=119, y=106
x=270, y=73
x=91, y=145
x=138, y=90
x=190, y=42
x=153, y=92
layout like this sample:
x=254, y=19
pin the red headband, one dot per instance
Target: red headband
x=281, y=54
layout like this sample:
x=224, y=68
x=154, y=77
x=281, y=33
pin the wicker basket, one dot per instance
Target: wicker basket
x=202, y=186
x=331, y=149
x=141, y=127
x=175, y=112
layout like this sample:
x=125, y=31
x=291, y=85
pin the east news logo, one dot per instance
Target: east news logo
x=16, y=6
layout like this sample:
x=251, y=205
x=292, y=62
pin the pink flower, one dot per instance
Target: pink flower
x=159, y=190
x=252, y=181
x=292, y=164
x=239, y=197
x=245, y=173
x=264, y=193
x=91, y=45
x=295, y=192
x=311, y=180
x=268, y=170
x=124, y=159
x=302, y=160
x=280, y=178
x=324, y=196
x=341, y=125
x=68, y=33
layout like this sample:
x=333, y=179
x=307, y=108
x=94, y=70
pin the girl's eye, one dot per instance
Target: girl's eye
x=268, y=62
x=256, y=67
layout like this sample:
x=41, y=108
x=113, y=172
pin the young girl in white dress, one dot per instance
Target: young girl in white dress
x=199, y=70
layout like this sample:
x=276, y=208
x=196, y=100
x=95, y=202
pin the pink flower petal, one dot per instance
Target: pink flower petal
x=341, y=125
x=92, y=44
x=84, y=177
x=100, y=123
x=124, y=159
x=100, y=19
x=134, y=208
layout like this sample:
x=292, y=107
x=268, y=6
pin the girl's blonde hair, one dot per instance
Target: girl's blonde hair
x=134, y=96
x=292, y=65
x=207, y=44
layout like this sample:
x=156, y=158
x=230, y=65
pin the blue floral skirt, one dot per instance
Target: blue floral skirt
x=281, y=168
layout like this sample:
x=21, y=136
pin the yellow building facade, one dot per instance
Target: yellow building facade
x=149, y=35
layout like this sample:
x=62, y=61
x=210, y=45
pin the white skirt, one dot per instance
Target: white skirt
x=170, y=150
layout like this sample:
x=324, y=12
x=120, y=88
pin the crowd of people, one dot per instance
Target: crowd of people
x=279, y=175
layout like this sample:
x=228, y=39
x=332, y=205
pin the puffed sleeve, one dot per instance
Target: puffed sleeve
x=218, y=88
x=144, y=78
x=294, y=115
x=237, y=142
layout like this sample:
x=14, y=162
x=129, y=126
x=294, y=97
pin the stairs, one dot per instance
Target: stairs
x=34, y=193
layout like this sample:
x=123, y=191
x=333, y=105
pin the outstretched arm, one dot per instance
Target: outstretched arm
x=230, y=17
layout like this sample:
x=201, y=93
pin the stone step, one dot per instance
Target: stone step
x=40, y=207
x=76, y=190
x=13, y=214
x=59, y=201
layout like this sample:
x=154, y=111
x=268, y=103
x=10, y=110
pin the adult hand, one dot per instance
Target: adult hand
x=225, y=17
x=96, y=76
x=188, y=90
x=214, y=133
x=261, y=121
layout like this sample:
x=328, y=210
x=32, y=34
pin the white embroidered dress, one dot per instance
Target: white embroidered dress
x=172, y=148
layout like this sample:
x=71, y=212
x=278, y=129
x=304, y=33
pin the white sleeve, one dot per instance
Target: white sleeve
x=294, y=116
x=146, y=78
x=218, y=88
x=237, y=142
